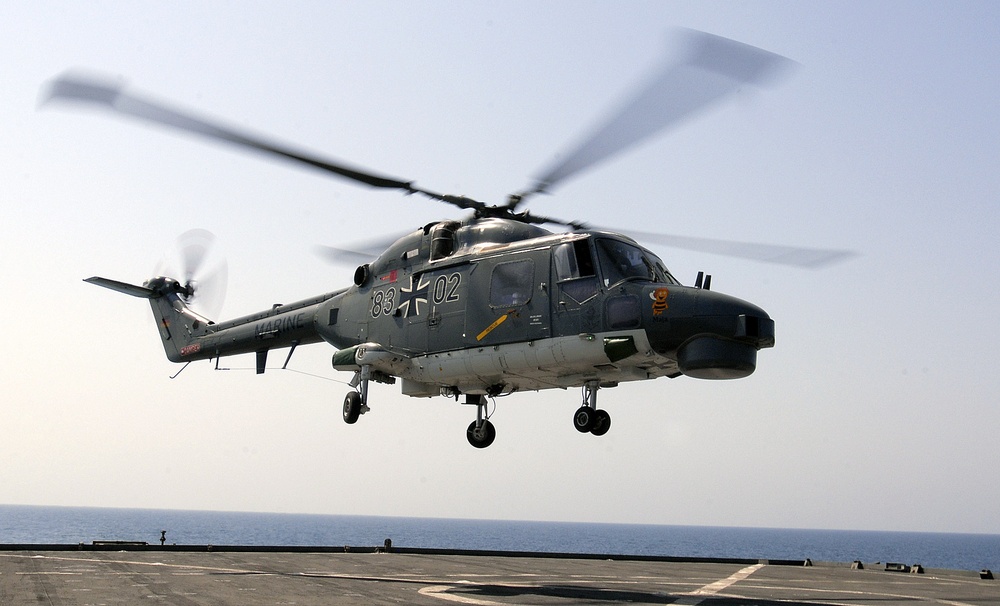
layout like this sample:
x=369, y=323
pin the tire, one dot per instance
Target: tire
x=602, y=423
x=352, y=407
x=483, y=437
x=583, y=419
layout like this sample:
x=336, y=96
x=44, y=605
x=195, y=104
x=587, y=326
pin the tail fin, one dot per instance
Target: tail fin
x=179, y=326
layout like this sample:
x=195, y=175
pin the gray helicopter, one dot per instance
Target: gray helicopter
x=495, y=304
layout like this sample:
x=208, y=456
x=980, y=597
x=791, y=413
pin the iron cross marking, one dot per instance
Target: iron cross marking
x=410, y=297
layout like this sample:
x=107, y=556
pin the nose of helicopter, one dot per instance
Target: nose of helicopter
x=711, y=335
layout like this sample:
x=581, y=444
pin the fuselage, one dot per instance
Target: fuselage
x=503, y=306
x=495, y=306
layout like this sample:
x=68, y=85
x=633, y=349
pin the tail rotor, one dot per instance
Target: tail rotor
x=199, y=264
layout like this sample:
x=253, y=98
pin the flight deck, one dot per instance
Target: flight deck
x=194, y=575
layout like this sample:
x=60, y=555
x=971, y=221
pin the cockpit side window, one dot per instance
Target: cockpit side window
x=573, y=260
x=574, y=270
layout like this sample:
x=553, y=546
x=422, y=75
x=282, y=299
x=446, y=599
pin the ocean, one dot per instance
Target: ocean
x=71, y=525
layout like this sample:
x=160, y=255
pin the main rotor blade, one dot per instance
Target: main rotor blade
x=344, y=255
x=358, y=253
x=811, y=258
x=712, y=69
x=112, y=97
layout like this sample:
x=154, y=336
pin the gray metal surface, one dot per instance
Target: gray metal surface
x=152, y=576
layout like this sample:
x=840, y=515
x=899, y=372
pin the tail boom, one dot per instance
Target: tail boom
x=188, y=336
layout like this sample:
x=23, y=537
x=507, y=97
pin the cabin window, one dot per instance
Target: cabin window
x=511, y=283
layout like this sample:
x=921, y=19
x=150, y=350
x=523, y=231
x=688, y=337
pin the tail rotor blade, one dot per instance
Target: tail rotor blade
x=194, y=246
x=210, y=289
x=197, y=262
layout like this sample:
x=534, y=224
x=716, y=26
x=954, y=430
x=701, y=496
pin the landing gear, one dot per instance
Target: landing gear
x=588, y=418
x=356, y=402
x=481, y=432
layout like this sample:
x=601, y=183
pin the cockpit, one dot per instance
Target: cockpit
x=621, y=261
x=576, y=270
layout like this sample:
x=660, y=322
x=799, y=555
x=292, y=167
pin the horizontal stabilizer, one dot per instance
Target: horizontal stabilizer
x=122, y=287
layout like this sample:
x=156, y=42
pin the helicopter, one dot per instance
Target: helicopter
x=495, y=303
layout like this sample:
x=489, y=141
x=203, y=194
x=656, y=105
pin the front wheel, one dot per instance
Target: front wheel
x=352, y=407
x=482, y=436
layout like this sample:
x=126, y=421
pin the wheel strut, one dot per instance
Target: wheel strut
x=363, y=377
x=479, y=401
x=590, y=393
x=356, y=402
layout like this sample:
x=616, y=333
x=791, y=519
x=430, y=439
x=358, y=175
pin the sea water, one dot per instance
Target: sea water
x=31, y=524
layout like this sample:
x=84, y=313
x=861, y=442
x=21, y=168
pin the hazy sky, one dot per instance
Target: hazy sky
x=876, y=409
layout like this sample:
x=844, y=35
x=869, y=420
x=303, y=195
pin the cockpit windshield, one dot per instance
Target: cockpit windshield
x=623, y=261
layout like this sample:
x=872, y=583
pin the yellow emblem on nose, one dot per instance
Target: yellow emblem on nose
x=659, y=297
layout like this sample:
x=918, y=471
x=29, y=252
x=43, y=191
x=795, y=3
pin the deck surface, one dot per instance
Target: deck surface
x=72, y=578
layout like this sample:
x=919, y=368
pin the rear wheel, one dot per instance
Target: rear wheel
x=482, y=436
